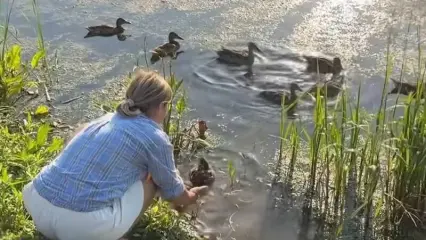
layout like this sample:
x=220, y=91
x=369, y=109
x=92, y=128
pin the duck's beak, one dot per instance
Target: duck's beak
x=256, y=48
x=127, y=22
x=178, y=37
x=393, y=91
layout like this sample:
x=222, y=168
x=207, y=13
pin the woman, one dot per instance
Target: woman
x=98, y=185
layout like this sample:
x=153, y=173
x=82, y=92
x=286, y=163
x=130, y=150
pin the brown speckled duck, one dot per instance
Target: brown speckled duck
x=275, y=97
x=105, y=30
x=323, y=65
x=332, y=87
x=202, y=175
x=405, y=88
x=169, y=48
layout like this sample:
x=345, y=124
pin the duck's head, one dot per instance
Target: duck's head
x=202, y=126
x=337, y=63
x=121, y=21
x=203, y=165
x=394, y=91
x=173, y=36
x=252, y=46
x=295, y=87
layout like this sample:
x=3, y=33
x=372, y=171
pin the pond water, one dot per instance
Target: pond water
x=354, y=30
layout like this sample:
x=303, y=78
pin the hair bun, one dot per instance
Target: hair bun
x=125, y=108
x=130, y=102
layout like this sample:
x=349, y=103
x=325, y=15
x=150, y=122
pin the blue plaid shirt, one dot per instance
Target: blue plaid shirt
x=102, y=161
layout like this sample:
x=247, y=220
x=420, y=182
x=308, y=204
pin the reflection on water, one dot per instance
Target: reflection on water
x=221, y=94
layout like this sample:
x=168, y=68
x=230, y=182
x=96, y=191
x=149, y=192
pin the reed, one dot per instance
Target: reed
x=367, y=172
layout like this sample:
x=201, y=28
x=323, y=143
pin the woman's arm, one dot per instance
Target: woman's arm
x=165, y=175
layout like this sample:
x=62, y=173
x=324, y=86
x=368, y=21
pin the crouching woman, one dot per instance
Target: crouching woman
x=97, y=187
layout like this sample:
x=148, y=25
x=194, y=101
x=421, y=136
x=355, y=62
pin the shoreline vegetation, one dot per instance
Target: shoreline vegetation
x=366, y=172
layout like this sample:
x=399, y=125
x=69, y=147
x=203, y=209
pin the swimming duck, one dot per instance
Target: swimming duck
x=323, y=65
x=242, y=57
x=105, y=30
x=276, y=97
x=202, y=175
x=405, y=88
x=333, y=88
x=167, y=49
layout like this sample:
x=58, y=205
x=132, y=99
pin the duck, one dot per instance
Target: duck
x=332, y=88
x=275, y=97
x=405, y=88
x=202, y=174
x=105, y=30
x=323, y=65
x=169, y=48
x=239, y=57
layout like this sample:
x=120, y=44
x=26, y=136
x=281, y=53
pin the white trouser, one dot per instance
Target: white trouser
x=110, y=223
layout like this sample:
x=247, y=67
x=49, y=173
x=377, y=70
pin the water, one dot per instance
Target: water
x=354, y=30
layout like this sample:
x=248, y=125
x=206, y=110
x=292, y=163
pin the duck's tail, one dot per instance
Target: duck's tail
x=154, y=58
x=90, y=34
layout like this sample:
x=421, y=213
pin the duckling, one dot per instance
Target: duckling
x=105, y=30
x=405, y=88
x=167, y=49
x=333, y=88
x=323, y=65
x=276, y=97
x=202, y=175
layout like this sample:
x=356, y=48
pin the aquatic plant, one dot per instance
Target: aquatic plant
x=366, y=172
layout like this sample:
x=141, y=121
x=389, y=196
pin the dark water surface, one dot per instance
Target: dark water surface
x=354, y=30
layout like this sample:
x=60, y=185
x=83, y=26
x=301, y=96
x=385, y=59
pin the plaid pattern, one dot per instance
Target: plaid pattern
x=102, y=161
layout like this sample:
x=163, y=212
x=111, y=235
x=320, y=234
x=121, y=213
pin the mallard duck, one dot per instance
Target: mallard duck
x=323, y=65
x=167, y=49
x=235, y=57
x=405, y=88
x=276, y=97
x=202, y=175
x=105, y=30
x=332, y=87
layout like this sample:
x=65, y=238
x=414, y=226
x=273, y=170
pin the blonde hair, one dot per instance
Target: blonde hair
x=148, y=89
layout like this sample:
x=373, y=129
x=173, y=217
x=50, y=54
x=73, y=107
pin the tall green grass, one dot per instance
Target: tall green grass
x=367, y=172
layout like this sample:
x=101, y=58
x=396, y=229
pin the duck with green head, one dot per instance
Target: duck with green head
x=323, y=65
x=275, y=97
x=202, y=174
x=169, y=48
x=105, y=30
x=405, y=88
x=239, y=57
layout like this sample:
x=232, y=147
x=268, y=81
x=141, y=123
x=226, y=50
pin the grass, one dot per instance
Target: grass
x=367, y=172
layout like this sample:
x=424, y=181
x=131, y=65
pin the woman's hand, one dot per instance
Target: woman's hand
x=189, y=197
x=198, y=192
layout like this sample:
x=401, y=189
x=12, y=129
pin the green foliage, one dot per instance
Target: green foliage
x=14, y=75
x=22, y=155
x=41, y=110
x=231, y=173
x=162, y=223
